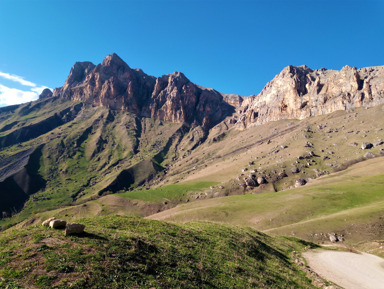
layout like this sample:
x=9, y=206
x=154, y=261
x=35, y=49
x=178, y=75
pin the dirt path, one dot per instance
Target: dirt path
x=349, y=270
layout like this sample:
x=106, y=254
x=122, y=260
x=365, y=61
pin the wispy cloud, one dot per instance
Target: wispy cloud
x=10, y=96
x=17, y=79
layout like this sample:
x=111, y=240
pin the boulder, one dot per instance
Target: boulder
x=369, y=155
x=333, y=238
x=250, y=182
x=261, y=180
x=366, y=145
x=252, y=176
x=300, y=182
x=283, y=174
x=310, y=154
x=295, y=170
x=57, y=224
x=74, y=229
x=47, y=221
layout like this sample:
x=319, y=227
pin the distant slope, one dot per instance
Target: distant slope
x=120, y=252
x=349, y=203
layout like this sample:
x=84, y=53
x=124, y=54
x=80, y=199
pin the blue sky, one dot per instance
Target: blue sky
x=232, y=46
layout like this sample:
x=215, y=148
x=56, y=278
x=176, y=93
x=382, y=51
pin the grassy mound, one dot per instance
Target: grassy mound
x=125, y=252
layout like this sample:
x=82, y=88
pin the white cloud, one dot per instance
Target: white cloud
x=10, y=96
x=17, y=78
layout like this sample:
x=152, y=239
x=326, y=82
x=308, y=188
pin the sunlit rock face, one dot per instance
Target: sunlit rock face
x=295, y=93
x=172, y=98
x=300, y=92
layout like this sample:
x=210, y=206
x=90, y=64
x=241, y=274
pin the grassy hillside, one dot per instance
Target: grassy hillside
x=151, y=166
x=349, y=202
x=180, y=192
x=124, y=252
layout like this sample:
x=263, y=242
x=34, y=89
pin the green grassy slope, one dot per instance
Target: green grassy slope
x=122, y=252
x=168, y=193
x=349, y=202
x=80, y=156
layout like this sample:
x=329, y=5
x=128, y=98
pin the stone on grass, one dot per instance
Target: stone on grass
x=261, y=180
x=333, y=238
x=369, y=155
x=300, y=182
x=366, y=145
x=56, y=224
x=295, y=170
x=47, y=221
x=74, y=229
x=250, y=182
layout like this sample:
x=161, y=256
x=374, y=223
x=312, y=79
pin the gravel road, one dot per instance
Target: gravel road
x=349, y=270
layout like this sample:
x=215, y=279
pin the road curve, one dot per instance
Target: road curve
x=348, y=270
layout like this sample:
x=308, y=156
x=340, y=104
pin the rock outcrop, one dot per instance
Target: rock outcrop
x=74, y=229
x=295, y=93
x=48, y=221
x=172, y=98
x=46, y=93
x=57, y=224
x=300, y=92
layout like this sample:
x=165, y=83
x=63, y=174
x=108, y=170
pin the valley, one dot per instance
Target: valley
x=156, y=167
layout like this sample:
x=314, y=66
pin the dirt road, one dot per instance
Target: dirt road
x=349, y=270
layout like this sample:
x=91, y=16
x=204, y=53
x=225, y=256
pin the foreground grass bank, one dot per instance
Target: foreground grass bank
x=124, y=252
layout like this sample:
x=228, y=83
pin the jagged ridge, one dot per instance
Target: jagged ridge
x=172, y=98
x=300, y=92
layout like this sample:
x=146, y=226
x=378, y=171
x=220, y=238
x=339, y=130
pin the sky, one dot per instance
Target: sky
x=231, y=46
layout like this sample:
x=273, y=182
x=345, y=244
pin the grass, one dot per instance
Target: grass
x=332, y=203
x=170, y=192
x=123, y=252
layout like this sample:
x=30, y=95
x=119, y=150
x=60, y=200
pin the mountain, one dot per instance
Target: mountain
x=171, y=98
x=113, y=145
x=295, y=93
x=300, y=92
x=113, y=129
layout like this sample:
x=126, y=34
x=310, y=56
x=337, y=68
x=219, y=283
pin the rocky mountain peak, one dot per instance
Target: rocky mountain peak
x=46, y=93
x=296, y=92
x=78, y=72
x=172, y=98
x=113, y=59
x=112, y=64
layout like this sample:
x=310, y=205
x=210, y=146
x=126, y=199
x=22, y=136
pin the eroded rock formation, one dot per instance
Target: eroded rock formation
x=295, y=93
x=172, y=98
x=300, y=92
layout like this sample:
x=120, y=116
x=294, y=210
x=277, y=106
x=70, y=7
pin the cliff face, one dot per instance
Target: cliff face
x=300, y=92
x=295, y=93
x=112, y=84
x=172, y=98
